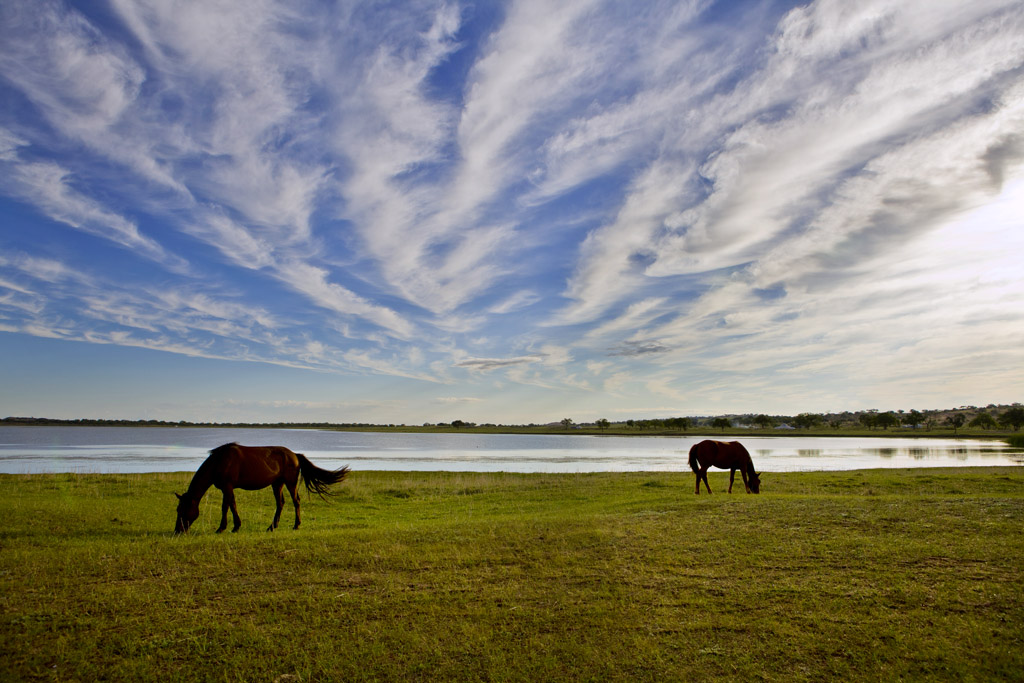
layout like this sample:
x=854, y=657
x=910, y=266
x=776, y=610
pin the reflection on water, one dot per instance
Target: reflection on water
x=133, y=449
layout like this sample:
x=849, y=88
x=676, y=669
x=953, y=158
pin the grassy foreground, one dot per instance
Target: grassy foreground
x=873, y=575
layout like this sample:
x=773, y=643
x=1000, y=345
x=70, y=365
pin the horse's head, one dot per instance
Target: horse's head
x=754, y=481
x=188, y=511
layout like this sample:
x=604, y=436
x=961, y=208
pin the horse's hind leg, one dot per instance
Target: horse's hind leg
x=234, y=514
x=279, y=500
x=295, y=499
x=223, y=513
x=703, y=474
x=732, y=477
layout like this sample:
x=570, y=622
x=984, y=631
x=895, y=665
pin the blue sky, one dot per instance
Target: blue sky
x=509, y=211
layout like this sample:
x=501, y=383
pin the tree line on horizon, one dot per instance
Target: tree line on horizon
x=990, y=417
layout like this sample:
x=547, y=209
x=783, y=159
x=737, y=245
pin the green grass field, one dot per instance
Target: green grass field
x=874, y=575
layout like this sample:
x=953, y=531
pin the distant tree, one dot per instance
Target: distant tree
x=807, y=420
x=721, y=423
x=983, y=420
x=764, y=422
x=682, y=423
x=631, y=423
x=913, y=419
x=567, y=422
x=868, y=420
x=1014, y=417
x=603, y=423
x=458, y=424
x=886, y=420
x=956, y=421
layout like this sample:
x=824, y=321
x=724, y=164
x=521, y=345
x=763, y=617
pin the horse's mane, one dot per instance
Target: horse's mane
x=750, y=461
x=203, y=478
x=221, y=450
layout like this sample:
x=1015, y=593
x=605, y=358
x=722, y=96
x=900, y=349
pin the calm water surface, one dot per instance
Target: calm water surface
x=158, y=449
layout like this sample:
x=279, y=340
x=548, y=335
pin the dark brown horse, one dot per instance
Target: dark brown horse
x=231, y=467
x=730, y=456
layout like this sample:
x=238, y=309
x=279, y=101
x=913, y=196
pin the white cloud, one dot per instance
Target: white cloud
x=620, y=251
x=313, y=282
x=636, y=316
x=48, y=187
x=576, y=201
x=86, y=85
x=456, y=400
x=489, y=364
x=233, y=240
x=9, y=143
x=774, y=167
x=534, y=60
x=516, y=302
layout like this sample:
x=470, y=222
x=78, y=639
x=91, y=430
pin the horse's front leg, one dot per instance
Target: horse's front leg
x=732, y=477
x=746, y=484
x=229, y=503
x=224, y=505
x=279, y=500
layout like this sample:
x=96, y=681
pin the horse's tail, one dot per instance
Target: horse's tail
x=317, y=479
x=693, y=457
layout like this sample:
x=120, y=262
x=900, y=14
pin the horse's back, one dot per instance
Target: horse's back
x=254, y=466
x=721, y=454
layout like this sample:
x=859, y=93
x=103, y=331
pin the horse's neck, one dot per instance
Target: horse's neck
x=202, y=480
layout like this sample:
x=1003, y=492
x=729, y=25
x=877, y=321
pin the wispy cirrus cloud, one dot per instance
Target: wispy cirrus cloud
x=791, y=140
x=591, y=200
x=488, y=364
x=49, y=187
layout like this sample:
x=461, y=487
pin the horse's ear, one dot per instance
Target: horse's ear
x=178, y=495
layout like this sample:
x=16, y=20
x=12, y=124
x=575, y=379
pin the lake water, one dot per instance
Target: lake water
x=157, y=449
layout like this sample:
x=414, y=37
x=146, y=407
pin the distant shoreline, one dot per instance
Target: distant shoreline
x=576, y=430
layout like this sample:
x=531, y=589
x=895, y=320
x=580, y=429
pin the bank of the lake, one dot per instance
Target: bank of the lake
x=614, y=429
x=867, y=575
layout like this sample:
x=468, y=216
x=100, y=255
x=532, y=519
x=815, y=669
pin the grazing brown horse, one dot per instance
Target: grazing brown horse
x=730, y=456
x=231, y=467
